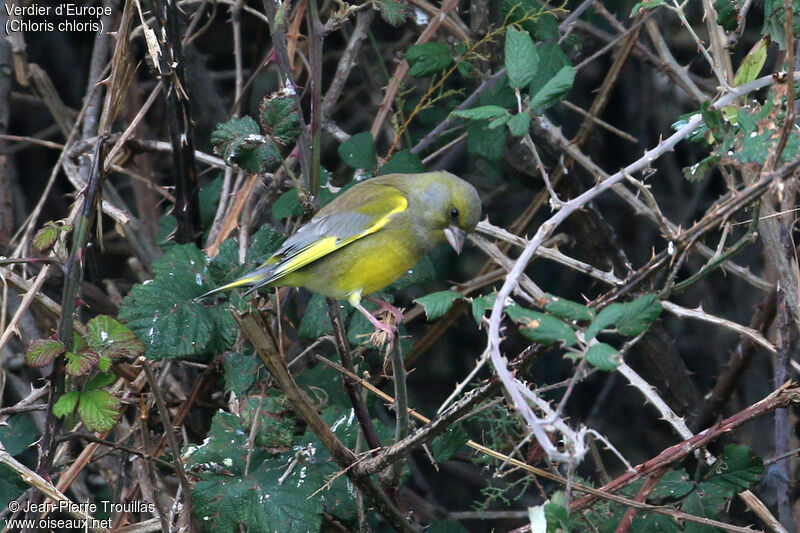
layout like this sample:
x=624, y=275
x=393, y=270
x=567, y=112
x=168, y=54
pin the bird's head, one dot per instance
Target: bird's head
x=452, y=206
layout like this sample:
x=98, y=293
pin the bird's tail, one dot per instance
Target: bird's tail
x=254, y=279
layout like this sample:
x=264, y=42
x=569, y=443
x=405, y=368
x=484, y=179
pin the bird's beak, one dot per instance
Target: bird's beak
x=455, y=236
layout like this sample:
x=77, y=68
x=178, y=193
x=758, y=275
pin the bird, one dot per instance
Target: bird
x=368, y=237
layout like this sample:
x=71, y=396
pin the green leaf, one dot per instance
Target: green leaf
x=554, y=90
x=279, y=118
x=675, y=484
x=567, y=309
x=316, y=321
x=701, y=169
x=521, y=58
x=531, y=16
x=47, y=236
x=437, y=304
x=403, y=162
x=727, y=14
x=427, y=59
x=481, y=304
x=392, y=11
x=551, y=60
x=287, y=205
x=80, y=363
x=540, y=327
x=603, y=357
x=774, y=21
x=101, y=380
x=448, y=443
x=18, y=433
x=484, y=141
x=164, y=315
x=520, y=124
x=638, y=315
x=480, y=113
x=11, y=486
x=752, y=64
x=66, y=404
x=647, y=5
x=630, y=318
x=556, y=513
x=359, y=151
x=110, y=338
x=499, y=121
x=239, y=141
x=737, y=469
x=704, y=505
x=241, y=371
x=41, y=352
x=98, y=410
x=756, y=148
x=263, y=244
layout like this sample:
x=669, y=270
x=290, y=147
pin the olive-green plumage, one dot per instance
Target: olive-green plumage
x=371, y=235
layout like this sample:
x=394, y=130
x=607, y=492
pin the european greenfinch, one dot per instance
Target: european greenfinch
x=369, y=236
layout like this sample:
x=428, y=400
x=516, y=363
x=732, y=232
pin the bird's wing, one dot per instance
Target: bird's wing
x=347, y=219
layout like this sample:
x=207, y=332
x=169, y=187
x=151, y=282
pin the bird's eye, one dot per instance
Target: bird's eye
x=454, y=213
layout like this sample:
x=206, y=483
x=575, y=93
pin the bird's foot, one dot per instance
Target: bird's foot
x=385, y=332
x=386, y=307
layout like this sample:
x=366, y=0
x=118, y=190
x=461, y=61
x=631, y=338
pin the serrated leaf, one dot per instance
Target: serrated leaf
x=484, y=141
x=98, y=410
x=48, y=234
x=241, y=371
x=163, y=312
x=531, y=16
x=481, y=304
x=521, y=58
x=316, y=321
x=567, y=309
x=738, y=468
x=104, y=363
x=79, y=363
x=392, y=11
x=554, y=90
x=110, y=338
x=427, y=59
x=437, y=304
x=541, y=327
x=727, y=14
x=41, y=352
x=700, y=170
x=603, y=356
x=287, y=205
x=279, y=118
x=647, y=6
x=481, y=113
x=403, y=162
x=673, y=485
x=359, y=151
x=551, y=60
x=499, y=121
x=239, y=141
x=752, y=63
x=638, y=315
x=18, y=433
x=66, y=404
x=519, y=124
x=448, y=443
x=556, y=513
x=101, y=380
x=263, y=244
x=630, y=318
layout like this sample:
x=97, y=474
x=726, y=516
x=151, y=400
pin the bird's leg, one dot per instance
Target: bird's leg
x=383, y=305
x=389, y=330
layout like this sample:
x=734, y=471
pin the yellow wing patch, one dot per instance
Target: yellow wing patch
x=326, y=245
